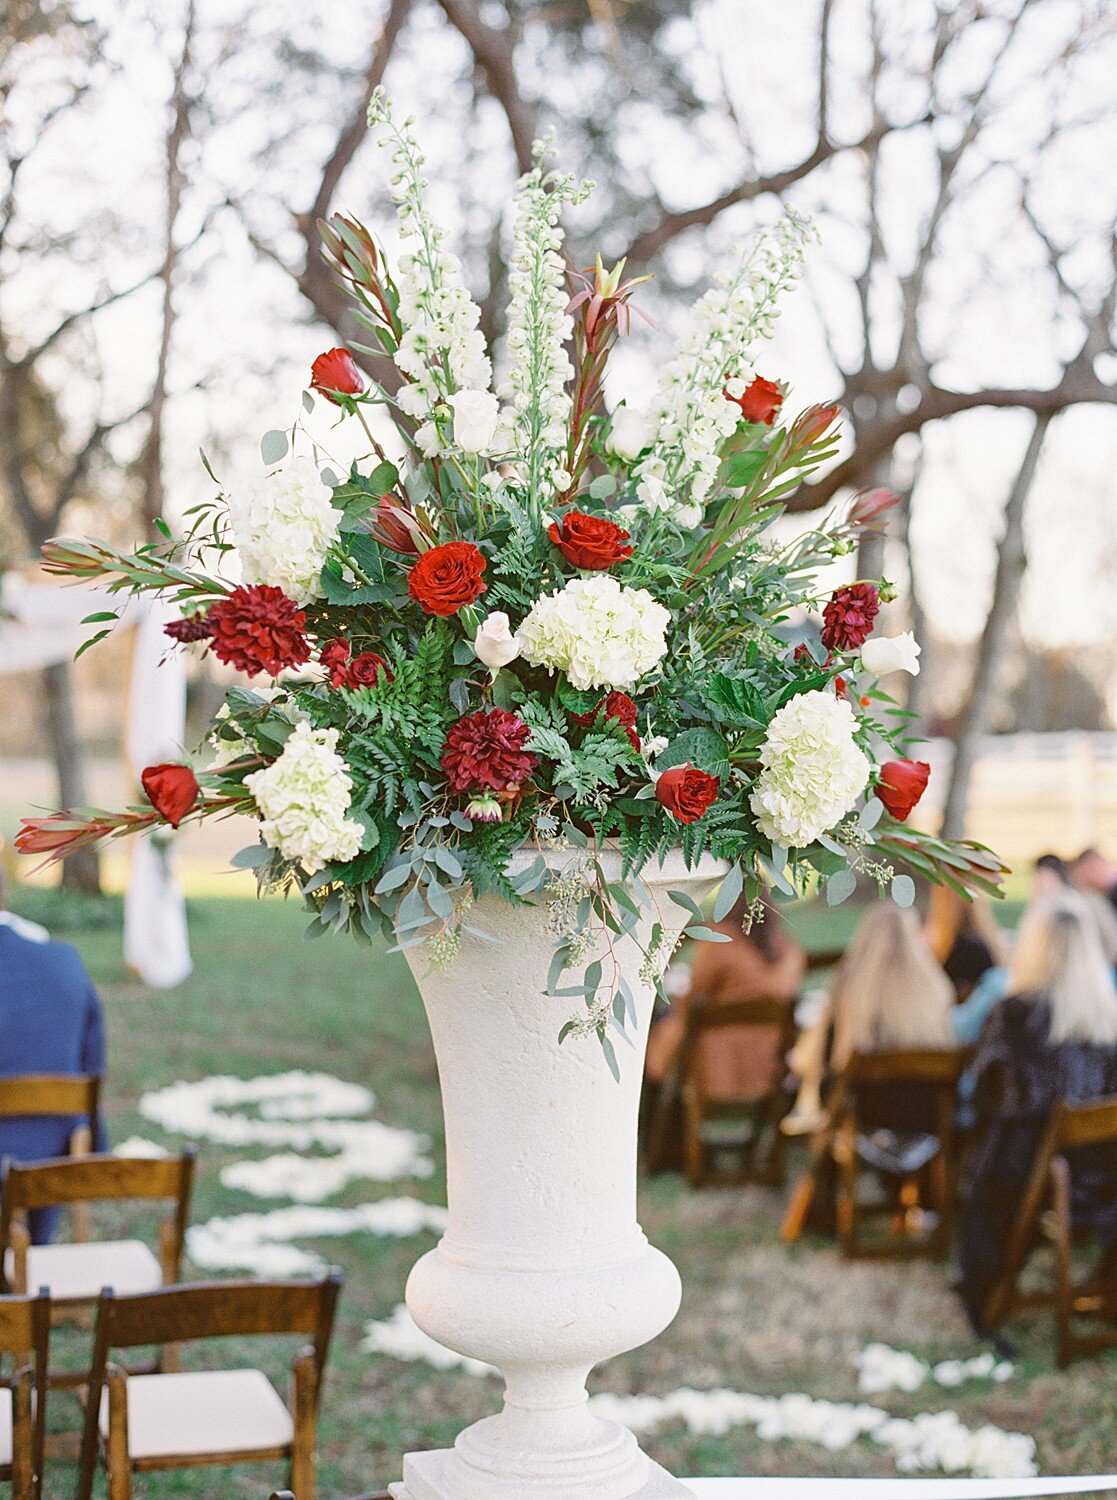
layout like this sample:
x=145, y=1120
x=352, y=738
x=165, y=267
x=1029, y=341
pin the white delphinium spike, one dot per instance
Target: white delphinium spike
x=442, y=349
x=693, y=417
x=539, y=326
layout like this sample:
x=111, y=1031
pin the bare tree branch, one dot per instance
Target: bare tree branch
x=494, y=51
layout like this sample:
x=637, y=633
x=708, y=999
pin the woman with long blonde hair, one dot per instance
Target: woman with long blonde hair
x=964, y=936
x=1052, y=1040
x=889, y=994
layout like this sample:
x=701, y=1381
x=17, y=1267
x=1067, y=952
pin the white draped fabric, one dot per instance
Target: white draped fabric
x=40, y=624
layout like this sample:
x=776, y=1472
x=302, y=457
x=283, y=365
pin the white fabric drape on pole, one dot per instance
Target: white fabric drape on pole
x=156, y=943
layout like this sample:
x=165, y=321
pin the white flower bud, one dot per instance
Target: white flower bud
x=891, y=653
x=495, y=643
x=476, y=414
x=630, y=433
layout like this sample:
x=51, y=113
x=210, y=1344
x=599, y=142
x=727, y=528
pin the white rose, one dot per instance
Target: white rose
x=495, y=643
x=891, y=653
x=630, y=433
x=476, y=414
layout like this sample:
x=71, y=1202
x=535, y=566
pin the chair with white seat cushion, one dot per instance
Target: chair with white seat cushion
x=138, y=1423
x=75, y=1273
x=24, y=1331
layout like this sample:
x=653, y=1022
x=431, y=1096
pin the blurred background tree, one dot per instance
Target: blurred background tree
x=961, y=303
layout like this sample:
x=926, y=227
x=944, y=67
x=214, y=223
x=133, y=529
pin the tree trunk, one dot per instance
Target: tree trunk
x=1011, y=563
x=81, y=871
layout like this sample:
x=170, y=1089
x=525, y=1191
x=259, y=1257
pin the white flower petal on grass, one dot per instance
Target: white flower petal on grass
x=260, y=1242
x=138, y=1147
x=402, y=1338
x=304, y=797
x=930, y=1441
x=891, y=653
x=882, y=1368
x=598, y=632
x=812, y=770
x=283, y=526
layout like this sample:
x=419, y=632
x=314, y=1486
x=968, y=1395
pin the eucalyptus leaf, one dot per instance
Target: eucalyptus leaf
x=273, y=446
x=728, y=892
x=903, y=890
x=840, y=886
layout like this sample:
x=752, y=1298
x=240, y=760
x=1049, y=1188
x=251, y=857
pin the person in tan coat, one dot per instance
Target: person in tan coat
x=764, y=963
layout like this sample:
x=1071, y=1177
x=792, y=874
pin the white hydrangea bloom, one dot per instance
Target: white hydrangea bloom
x=282, y=526
x=598, y=632
x=692, y=414
x=539, y=326
x=812, y=770
x=442, y=349
x=304, y=797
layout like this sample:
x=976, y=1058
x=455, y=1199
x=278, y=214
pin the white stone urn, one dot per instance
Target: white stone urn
x=543, y=1270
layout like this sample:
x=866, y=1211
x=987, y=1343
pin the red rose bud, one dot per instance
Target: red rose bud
x=366, y=670
x=257, y=628
x=616, y=706
x=847, y=620
x=902, y=783
x=760, y=402
x=172, y=791
x=485, y=752
x=335, y=373
x=189, y=629
x=870, y=505
x=446, y=578
x=589, y=542
x=334, y=657
x=686, y=792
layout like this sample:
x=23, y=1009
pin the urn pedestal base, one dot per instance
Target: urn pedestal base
x=432, y=1476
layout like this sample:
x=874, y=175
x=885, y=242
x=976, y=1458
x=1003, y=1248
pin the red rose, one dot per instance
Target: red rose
x=486, y=751
x=172, y=791
x=617, y=706
x=686, y=792
x=257, y=628
x=589, y=541
x=366, y=669
x=334, y=657
x=446, y=578
x=902, y=783
x=847, y=620
x=189, y=628
x=336, y=371
x=760, y=402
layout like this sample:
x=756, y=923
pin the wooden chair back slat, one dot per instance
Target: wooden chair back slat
x=942, y=1068
x=24, y=1324
x=710, y=1015
x=1085, y=1124
x=49, y=1094
x=96, y=1179
x=204, y=1310
x=25, y=1334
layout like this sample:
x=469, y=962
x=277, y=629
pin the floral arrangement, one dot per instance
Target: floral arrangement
x=522, y=623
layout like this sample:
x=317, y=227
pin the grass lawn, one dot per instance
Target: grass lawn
x=756, y=1316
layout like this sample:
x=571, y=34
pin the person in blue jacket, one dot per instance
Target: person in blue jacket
x=50, y=1022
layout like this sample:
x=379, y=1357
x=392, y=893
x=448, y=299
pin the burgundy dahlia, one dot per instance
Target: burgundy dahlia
x=257, y=628
x=847, y=620
x=486, y=751
x=190, y=628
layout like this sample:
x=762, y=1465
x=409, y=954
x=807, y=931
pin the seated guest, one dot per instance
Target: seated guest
x=1091, y=871
x=1052, y=1039
x=889, y=994
x=964, y=937
x=50, y=1022
x=763, y=963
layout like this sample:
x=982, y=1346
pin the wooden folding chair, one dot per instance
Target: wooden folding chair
x=747, y=1129
x=75, y=1273
x=372, y=1495
x=140, y=1423
x=61, y=1095
x=835, y=1149
x=24, y=1331
x=1045, y=1216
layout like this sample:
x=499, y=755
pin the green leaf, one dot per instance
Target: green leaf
x=707, y=935
x=870, y=814
x=273, y=446
x=611, y=1058
x=254, y=857
x=688, y=903
x=841, y=885
x=903, y=890
x=704, y=748
x=728, y=892
x=603, y=486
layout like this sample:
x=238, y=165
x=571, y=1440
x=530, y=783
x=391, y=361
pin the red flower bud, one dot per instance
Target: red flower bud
x=334, y=373
x=902, y=783
x=617, y=706
x=812, y=425
x=172, y=791
x=686, y=792
x=870, y=505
